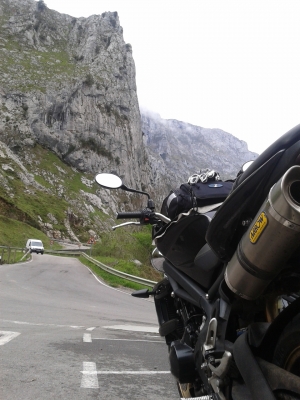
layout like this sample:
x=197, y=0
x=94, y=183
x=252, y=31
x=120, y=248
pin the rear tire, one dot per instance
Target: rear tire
x=287, y=351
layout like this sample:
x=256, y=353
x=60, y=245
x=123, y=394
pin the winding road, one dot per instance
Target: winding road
x=64, y=334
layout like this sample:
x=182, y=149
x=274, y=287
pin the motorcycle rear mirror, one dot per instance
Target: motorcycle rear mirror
x=109, y=181
x=246, y=165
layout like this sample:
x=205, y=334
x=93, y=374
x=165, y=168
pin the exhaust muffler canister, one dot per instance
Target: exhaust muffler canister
x=269, y=241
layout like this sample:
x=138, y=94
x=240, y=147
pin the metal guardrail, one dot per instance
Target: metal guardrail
x=73, y=252
x=120, y=274
x=104, y=267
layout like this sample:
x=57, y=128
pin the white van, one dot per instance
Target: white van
x=35, y=246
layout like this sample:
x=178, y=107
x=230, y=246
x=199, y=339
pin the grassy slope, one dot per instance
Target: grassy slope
x=15, y=233
x=58, y=189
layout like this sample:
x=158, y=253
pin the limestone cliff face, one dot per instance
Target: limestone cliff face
x=178, y=149
x=69, y=84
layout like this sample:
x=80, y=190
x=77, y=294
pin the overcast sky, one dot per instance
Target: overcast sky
x=228, y=64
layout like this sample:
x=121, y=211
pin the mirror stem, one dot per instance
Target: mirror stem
x=133, y=190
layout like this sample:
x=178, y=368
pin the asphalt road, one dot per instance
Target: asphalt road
x=65, y=335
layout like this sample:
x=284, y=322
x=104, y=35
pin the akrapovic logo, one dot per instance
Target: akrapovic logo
x=258, y=227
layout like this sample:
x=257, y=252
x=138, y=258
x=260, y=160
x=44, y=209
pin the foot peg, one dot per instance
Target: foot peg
x=143, y=293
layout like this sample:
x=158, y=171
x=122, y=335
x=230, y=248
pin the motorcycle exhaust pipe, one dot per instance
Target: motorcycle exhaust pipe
x=270, y=241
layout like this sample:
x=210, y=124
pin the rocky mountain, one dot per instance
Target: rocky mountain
x=177, y=149
x=69, y=109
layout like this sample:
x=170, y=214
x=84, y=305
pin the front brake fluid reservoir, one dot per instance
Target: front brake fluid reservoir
x=269, y=241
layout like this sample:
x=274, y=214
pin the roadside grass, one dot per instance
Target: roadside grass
x=120, y=250
x=111, y=280
x=129, y=267
x=11, y=256
x=14, y=233
x=126, y=244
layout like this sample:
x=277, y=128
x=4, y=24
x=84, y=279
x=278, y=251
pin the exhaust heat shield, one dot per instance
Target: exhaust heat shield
x=270, y=241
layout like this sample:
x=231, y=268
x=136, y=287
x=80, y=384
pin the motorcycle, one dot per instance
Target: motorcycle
x=229, y=304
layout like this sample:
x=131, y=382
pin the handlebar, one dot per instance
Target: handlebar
x=126, y=215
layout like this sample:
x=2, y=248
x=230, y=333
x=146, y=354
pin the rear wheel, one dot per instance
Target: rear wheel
x=287, y=351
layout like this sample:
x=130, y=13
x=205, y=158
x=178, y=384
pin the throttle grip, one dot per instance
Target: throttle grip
x=126, y=215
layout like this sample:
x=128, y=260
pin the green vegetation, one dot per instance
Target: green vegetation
x=126, y=244
x=119, y=248
x=92, y=144
x=111, y=280
x=10, y=255
x=37, y=68
x=29, y=203
x=15, y=233
x=89, y=80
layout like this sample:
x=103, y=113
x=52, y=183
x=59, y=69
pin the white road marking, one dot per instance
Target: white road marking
x=90, y=374
x=37, y=324
x=89, y=378
x=132, y=372
x=133, y=340
x=91, y=328
x=87, y=338
x=133, y=328
x=7, y=336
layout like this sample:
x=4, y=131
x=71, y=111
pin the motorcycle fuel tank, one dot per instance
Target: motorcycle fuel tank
x=269, y=241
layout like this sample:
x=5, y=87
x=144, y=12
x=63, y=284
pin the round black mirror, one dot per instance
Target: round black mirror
x=109, y=181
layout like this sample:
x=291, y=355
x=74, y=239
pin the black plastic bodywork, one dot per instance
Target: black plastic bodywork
x=183, y=244
x=249, y=192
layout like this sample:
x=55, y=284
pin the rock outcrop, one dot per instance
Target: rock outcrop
x=69, y=84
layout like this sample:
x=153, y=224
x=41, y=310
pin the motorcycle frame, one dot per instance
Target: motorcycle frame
x=258, y=341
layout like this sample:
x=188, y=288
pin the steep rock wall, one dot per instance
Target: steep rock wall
x=69, y=84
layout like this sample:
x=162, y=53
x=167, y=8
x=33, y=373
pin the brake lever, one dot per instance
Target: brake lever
x=125, y=224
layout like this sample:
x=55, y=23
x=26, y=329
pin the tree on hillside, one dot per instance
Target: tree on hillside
x=41, y=5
